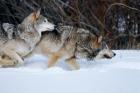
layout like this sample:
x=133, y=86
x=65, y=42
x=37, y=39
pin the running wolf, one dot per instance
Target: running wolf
x=72, y=43
x=15, y=45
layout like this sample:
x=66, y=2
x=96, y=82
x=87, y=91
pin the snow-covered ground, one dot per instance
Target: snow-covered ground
x=120, y=74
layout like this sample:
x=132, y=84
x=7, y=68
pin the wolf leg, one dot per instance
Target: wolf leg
x=52, y=60
x=54, y=57
x=72, y=63
x=14, y=56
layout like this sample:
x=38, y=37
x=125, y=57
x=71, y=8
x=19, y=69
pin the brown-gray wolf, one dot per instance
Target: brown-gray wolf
x=15, y=45
x=72, y=43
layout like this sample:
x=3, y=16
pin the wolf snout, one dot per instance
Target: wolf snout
x=111, y=54
x=53, y=26
x=50, y=27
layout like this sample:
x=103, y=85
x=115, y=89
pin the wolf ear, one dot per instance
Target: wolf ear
x=38, y=13
x=33, y=16
x=100, y=39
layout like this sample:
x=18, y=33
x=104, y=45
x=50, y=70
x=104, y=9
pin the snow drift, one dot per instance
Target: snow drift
x=121, y=74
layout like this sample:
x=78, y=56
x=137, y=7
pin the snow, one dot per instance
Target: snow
x=120, y=74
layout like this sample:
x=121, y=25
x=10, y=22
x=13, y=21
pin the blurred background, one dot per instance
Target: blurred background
x=117, y=20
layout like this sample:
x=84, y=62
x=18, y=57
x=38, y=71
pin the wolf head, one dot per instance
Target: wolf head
x=104, y=52
x=42, y=24
x=92, y=47
x=38, y=22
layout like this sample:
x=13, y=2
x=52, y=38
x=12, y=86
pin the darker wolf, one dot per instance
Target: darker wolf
x=72, y=43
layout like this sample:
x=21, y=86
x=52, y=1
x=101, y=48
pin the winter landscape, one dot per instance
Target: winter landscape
x=22, y=26
x=120, y=74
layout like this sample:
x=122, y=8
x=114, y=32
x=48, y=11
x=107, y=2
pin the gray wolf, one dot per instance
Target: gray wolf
x=15, y=45
x=71, y=43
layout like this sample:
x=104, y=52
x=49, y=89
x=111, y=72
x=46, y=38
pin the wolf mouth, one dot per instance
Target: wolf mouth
x=108, y=57
x=50, y=29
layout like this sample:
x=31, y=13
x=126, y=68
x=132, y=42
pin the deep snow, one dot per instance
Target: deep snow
x=120, y=74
